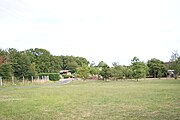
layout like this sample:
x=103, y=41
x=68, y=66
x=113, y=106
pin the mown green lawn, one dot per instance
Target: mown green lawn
x=93, y=100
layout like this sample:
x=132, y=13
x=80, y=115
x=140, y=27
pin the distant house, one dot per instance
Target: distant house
x=65, y=72
x=170, y=71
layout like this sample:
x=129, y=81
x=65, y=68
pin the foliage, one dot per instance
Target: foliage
x=139, y=69
x=94, y=70
x=33, y=71
x=6, y=71
x=72, y=63
x=66, y=76
x=81, y=61
x=33, y=61
x=2, y=56
x=105, y=70
x=44, y=61
x=102, y=64
x=83, y=72
x=177, y=67
x=175, y=63
x=128, y=72
x=117, y=71
x=156, y=68
x=20, y=63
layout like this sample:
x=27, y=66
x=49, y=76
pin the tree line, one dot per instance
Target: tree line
x=32, y=62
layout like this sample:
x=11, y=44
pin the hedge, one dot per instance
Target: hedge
x=66, y=76
x=52, y=76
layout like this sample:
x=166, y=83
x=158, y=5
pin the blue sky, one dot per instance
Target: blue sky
x=108, y=30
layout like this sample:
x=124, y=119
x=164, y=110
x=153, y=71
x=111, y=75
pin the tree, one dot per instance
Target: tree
x=6, y=71
x=128, y=72
x=156, y=68
x=32, y=71
x=92, y=64
x=22, y=66
x=104, y=70
x=175, y=63
x=94, y=70
x=81, y=61
x=83, y=72
x=42, y=59
x=117, y=71
x=20, y=62
x=102, y=64
x=33, y=61
x=55, y=64
x=139, y=68
x=69, y=63
x=2, y=56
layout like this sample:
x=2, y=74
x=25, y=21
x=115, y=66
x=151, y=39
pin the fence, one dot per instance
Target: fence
x=15, y=81
x=1, y=81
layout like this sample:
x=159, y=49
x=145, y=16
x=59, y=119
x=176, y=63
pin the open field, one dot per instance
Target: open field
x=93, y=100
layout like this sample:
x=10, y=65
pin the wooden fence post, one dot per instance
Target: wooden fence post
x=32, y=78
x=1, y=81
x=13, y=80
x=23, y=79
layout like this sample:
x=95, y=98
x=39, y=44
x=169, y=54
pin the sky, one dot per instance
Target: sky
x=99, y=30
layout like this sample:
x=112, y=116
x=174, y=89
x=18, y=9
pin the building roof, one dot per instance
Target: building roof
x=64, y=71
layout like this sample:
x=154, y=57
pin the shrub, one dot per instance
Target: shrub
x=52, y=76
x=66, y=76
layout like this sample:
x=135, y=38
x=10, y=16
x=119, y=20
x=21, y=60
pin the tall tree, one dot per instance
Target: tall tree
x=81, y=61
x=104, y=70
x=94, y=70
x=70, y=63
x=156, y=68
x=3, y=54
x=55, y=64
x=128, y=72
x=6, y=71
x=117, y=71
x=102, y=64
x=42, y=59
x=139, y=68
x=22, y=65
x=175, y=63
x=83, y=71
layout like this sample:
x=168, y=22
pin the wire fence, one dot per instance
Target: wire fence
x=24, y=81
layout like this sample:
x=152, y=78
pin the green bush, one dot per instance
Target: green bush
x=66, y=76
x=52, y=76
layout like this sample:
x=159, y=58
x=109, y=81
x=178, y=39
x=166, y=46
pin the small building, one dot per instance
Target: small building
x=170, y=73
x=65, y=72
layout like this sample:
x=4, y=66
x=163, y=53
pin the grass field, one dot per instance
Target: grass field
x=93, y=100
